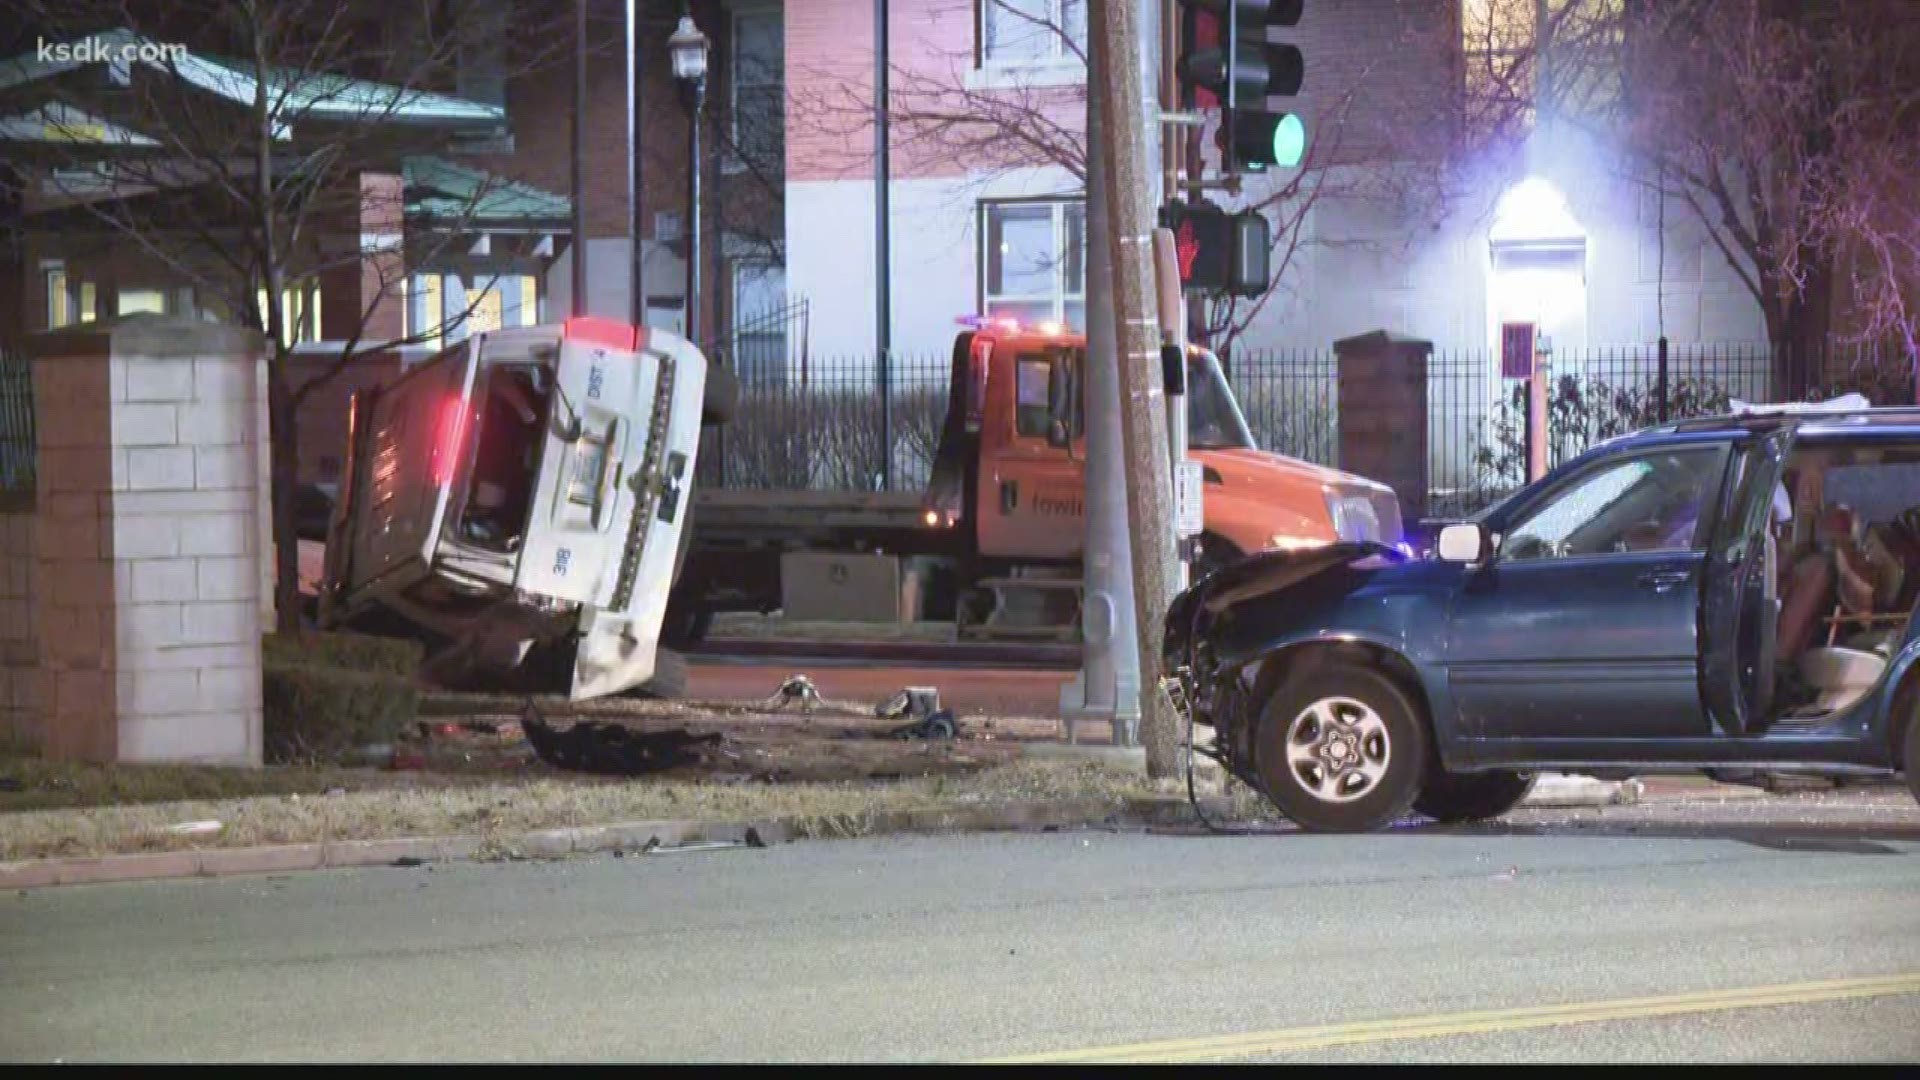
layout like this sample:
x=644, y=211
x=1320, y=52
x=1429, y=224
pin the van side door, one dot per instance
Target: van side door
x=406, y=451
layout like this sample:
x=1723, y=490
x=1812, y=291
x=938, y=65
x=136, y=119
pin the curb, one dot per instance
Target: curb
x=632, y=836
x=638, y=835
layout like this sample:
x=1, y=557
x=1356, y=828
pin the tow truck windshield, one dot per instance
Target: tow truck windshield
x=1214, y=421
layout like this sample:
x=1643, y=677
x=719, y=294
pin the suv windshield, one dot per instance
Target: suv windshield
x=1214, y=421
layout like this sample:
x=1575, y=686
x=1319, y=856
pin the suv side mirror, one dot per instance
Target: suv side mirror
x=1465, y=542
x=1060, y=395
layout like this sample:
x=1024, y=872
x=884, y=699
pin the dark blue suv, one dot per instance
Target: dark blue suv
x=1729, y=595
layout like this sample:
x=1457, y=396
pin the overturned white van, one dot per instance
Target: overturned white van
x=519, y=498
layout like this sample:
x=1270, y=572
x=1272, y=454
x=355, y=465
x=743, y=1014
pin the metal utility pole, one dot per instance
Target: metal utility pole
x=636, y=276
x=882, y=245
x=694, y=312
x=1108, y=684
x=579, y=158
x=1126, y=159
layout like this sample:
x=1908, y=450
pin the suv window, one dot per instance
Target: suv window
x=1650, y=502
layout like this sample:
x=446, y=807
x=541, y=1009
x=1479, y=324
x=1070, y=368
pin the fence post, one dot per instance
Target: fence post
x=1660, y=382
x=1537, y=417
x=886, y=421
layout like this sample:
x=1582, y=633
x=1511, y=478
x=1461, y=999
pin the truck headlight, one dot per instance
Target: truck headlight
x=1354, y=517
x=1283, y=542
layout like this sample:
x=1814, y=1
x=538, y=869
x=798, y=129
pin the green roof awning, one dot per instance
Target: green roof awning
x=440, y=189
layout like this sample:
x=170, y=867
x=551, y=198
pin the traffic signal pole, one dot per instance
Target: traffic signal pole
x=1108, y=684
x=1125, y=158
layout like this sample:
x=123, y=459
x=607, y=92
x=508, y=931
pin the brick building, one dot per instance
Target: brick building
x=1546, y=228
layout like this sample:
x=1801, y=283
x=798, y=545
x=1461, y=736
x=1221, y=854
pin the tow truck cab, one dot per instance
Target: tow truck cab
x=1012, y=458
x=523, y=490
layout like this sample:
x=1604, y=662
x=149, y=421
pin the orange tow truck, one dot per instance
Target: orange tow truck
x=994, y=542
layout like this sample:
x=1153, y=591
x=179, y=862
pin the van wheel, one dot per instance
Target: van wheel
x=1459, y=797
x=1341, y=749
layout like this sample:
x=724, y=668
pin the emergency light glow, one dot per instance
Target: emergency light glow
x=446, y=447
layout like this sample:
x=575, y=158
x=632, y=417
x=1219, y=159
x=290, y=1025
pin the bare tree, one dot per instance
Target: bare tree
x=254, y=176
x=1785, y=129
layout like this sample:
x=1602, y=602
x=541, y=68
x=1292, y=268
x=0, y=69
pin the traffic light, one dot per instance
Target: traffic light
x=1219, y=252
x=1243, y=69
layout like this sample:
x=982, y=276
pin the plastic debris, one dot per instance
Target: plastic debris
x=195, y=828
x=940, y=725
x=598, y=747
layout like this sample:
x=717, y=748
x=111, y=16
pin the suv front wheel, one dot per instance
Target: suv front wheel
x=1461, y=797
x=1341, y=749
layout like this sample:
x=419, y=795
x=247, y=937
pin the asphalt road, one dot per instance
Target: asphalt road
x=1415, y=945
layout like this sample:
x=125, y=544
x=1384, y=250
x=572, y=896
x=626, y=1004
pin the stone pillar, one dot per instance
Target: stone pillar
x=150, y=518
x=1383, y=414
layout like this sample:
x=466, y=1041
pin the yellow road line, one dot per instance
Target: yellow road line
x=1289, y=1040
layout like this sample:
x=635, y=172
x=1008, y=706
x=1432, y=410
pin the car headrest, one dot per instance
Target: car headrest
x=1835, y=523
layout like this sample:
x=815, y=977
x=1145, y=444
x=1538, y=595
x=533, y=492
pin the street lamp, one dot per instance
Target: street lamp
x=688, y=48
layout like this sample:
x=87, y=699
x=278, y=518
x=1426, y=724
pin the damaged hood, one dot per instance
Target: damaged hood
x=1265, y=575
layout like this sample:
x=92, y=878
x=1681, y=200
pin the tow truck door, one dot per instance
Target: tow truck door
x=1032, y=495
x=405, y=455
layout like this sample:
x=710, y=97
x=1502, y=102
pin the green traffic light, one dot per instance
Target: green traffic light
x=1289, y=141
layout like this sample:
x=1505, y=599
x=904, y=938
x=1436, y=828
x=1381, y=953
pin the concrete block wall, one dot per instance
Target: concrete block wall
x=152, y=569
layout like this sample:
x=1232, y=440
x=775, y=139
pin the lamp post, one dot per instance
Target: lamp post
x=688, y=47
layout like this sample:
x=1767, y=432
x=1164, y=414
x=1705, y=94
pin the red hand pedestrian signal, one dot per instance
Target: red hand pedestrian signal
x=1186, y=247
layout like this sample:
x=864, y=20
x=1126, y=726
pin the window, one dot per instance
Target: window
x=1034, y=254
x=59, y=304
x=760, y=321
x=426, y=313
x=759, y=90
x=1032, y=405
x=483, y=310
x=1032, y=31
x=138, y=301
x=1649, y=503
x=526, y=312
x=487, y=302
x=299, y=312
x=1524, y=55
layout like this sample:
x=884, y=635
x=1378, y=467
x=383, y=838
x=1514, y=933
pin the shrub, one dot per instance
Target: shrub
x=327, y=695
x=353, y=652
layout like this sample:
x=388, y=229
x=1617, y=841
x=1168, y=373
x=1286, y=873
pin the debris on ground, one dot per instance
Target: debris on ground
x=655, y=847
x=195, y=828
x=940, y=725
x=915, y=701
x=600, y=747
x=800, y=688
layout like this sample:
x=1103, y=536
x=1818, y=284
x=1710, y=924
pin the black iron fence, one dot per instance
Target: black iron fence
x=813, y=422
x=16, y=428
x=1291, y=400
